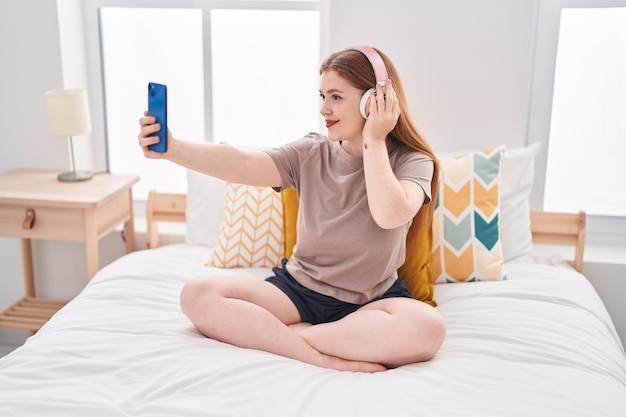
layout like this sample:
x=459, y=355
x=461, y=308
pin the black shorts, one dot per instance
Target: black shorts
x=316, y=308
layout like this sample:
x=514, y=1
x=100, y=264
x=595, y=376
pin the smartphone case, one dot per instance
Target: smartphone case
x=157, y=107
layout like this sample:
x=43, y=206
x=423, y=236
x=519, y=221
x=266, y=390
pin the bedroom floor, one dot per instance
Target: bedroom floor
x=11, y=339
x=6, y=349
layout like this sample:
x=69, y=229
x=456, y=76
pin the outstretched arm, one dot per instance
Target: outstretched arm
x=218, y=160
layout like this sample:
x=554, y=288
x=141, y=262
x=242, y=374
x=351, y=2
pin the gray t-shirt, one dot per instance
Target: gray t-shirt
x=340, y=250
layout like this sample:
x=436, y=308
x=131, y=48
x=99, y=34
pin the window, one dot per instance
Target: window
x=235, y=74
x=266, y=86
x=578, y=95
x=142, y=45
x=587, y=141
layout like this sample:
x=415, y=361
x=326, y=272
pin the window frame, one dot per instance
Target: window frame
x=95, y=65
x=609, y=230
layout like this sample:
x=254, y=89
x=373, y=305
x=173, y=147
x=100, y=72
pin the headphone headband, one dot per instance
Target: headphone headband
x=380, y=71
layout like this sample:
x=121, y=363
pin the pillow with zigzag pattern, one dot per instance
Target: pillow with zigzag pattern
x=252, y=228
x=467, y=245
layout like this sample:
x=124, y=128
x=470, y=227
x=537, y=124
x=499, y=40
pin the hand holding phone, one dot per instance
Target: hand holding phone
x=157, y=107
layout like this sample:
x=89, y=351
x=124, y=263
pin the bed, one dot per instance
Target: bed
x=538, y=342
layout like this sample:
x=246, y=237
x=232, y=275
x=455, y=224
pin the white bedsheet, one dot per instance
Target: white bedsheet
x=538, y=344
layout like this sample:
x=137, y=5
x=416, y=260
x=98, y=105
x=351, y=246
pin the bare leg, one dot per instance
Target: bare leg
x=392, y=331
x=254, y=314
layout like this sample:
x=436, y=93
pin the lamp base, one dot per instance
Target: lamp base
x=72, y=176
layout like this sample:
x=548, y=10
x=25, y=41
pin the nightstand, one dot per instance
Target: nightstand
x=35, y=205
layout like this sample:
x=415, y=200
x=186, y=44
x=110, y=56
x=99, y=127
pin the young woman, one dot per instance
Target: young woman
x=338, y=302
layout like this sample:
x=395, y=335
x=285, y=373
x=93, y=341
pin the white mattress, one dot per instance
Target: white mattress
x=540, y=344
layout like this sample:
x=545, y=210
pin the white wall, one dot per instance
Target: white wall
x=31, y=64
x=465, y=65
x=608, y=280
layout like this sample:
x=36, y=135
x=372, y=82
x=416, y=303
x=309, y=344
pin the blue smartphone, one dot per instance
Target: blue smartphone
x=157, y=107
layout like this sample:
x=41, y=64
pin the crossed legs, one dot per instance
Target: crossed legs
x=255, y=314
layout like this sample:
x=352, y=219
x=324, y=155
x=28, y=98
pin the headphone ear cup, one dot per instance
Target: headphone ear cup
x=364, y=106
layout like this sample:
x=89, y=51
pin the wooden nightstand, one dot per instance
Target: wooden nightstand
x=35, y=205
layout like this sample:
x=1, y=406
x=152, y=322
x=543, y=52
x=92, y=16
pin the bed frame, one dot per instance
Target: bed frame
x=560, y=229
x=163, y=207
x=553, y=228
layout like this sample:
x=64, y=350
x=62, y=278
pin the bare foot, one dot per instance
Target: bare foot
x=333, y=362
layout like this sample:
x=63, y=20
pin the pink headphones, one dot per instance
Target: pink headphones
x=380, y=72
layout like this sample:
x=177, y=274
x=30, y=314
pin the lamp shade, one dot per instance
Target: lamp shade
x=68, y=112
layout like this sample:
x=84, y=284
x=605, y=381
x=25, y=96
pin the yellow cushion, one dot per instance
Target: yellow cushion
x=415, y=272
x=290, y=217
x=252, y=228
x=466, y=222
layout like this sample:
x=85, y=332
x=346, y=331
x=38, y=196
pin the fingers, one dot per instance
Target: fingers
x=386, y=99
x=391, y=99
x=148, y=125
x=144, y=143
x=148, y=128
x=146, y=120
x=384, y=112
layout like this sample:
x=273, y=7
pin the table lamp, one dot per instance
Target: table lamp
x=68, y=112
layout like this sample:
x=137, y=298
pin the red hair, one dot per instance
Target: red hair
x=354, y=66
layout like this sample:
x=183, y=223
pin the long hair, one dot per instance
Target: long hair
x=356, y=68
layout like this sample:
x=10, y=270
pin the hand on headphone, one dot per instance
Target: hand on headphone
x=384, y=111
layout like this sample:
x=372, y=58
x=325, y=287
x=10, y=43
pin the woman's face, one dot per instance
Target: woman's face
x=340, y=107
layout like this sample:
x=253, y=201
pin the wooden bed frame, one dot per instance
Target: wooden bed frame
x=560, y=229
x=547, y=227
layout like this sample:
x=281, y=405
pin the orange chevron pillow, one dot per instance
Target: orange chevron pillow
x=466, y=224
x=252, y=228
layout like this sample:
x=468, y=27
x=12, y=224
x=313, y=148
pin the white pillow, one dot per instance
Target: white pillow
x=517, y=182
x=205, y=208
